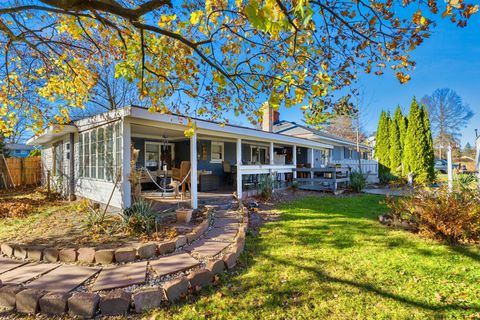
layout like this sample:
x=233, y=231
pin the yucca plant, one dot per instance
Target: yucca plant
x=140, y=217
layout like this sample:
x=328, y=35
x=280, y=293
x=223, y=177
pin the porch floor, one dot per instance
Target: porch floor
x=166, y=202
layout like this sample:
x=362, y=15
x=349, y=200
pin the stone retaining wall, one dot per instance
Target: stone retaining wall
x=119, y=301
x=99, y=256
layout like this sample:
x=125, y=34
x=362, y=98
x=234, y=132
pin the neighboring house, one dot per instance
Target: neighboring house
x=19, y=150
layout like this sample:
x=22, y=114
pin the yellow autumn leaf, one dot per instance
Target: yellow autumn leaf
x=195, y=17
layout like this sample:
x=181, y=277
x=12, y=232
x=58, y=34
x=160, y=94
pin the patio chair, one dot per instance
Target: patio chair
x=179, y=174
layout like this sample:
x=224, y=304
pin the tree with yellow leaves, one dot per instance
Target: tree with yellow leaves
x=208, y=59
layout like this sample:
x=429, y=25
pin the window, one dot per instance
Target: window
x=152, y=155
x=158, y=154
x=217, y=152
x=80, y=156
x=100, y=152
x=259, y=155
x=109, y=154
x=58, y=157
x=347, y=153
x=118, y=150
x=93, y=154
x=86, y=166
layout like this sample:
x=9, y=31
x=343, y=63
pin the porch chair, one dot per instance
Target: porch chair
x=179, y=174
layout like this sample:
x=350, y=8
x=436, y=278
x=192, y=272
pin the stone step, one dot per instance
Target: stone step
x=26, y=272
x=207, y=248
x=121, y=276
x=172, y=264
x=7, y=264
x=63, y=279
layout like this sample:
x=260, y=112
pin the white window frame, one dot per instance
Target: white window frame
x=222, y=148
x=117, y=139
x=267, y=153
x=160, y=144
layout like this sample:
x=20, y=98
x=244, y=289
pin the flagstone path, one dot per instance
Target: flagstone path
x=59, y=278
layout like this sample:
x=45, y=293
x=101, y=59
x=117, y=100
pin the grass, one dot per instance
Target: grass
x=328, y=257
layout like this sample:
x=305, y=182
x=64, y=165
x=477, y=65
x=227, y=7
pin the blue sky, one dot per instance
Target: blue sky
x=449, y=58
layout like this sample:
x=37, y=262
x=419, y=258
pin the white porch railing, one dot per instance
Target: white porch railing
x=368, y=166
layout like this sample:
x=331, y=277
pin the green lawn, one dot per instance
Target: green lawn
x=329, y=258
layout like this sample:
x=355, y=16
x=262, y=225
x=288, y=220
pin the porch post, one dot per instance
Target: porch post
x=272, y=161
x=294, y=159
x=193, y=171
x=312, y=158
x=239, y=170
x=127, y=156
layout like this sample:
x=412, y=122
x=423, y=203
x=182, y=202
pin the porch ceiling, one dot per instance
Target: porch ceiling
x=156, y=132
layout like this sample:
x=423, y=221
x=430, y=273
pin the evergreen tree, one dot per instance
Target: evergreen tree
x=397, y=125
x=429, y=152
x=382, y=146
x=418, y=151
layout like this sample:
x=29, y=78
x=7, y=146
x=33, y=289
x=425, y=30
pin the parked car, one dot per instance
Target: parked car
x=442, y=165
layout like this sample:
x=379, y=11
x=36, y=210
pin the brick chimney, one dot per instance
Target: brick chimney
x=270, y=117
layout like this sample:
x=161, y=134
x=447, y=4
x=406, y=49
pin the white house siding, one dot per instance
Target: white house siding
x=93, y=189
x=57, y=183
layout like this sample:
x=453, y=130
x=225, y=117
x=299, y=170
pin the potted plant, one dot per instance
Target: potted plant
x=184, y=215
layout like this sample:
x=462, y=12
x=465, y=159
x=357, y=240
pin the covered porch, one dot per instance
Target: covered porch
x=212, y=165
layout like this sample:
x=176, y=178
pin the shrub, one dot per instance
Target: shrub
x=140, y=217
x=266, y=186
x=454, y=216
x=386, y=177
x=358, y=181
x=466, y=181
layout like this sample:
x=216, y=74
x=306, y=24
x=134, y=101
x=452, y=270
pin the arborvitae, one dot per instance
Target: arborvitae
x=396, y=126
x=430, y=152
x=382, y=145
x=417, y=150
x=402, y=126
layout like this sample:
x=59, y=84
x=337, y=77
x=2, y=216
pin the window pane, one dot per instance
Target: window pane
x=217, y=151
x=80, y=156
x=152, y=155
x=118, y=150
x=101, y=153
x=86, y=168
x=58, y=159
x=93, y=153
x=109, y=154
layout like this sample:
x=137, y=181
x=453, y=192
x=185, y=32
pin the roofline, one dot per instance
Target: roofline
x=51, y=133
x=317, y=133
x=232, y=131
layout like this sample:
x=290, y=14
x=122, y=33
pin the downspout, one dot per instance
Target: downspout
x=71, y=193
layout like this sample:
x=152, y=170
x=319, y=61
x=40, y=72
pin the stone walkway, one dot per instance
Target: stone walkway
x=389, y=192
x=63, y=279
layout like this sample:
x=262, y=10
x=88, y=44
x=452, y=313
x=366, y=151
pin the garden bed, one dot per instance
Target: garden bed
x=33, y=219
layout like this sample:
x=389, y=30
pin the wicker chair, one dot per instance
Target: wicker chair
x=179, y=174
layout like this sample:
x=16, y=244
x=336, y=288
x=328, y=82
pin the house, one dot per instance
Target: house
x=19, y=150
x=92, y=157
x=343, y=151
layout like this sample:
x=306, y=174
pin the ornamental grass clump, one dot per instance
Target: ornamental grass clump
x=358, y=181
x=451, y=216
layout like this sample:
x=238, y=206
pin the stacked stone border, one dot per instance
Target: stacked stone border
x=101, y=256
x=119, y=301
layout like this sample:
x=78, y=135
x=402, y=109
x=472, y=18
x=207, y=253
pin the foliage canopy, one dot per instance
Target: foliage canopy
x=205, y=58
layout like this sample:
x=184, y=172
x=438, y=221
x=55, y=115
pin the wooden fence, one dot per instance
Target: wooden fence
x=22, y=171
